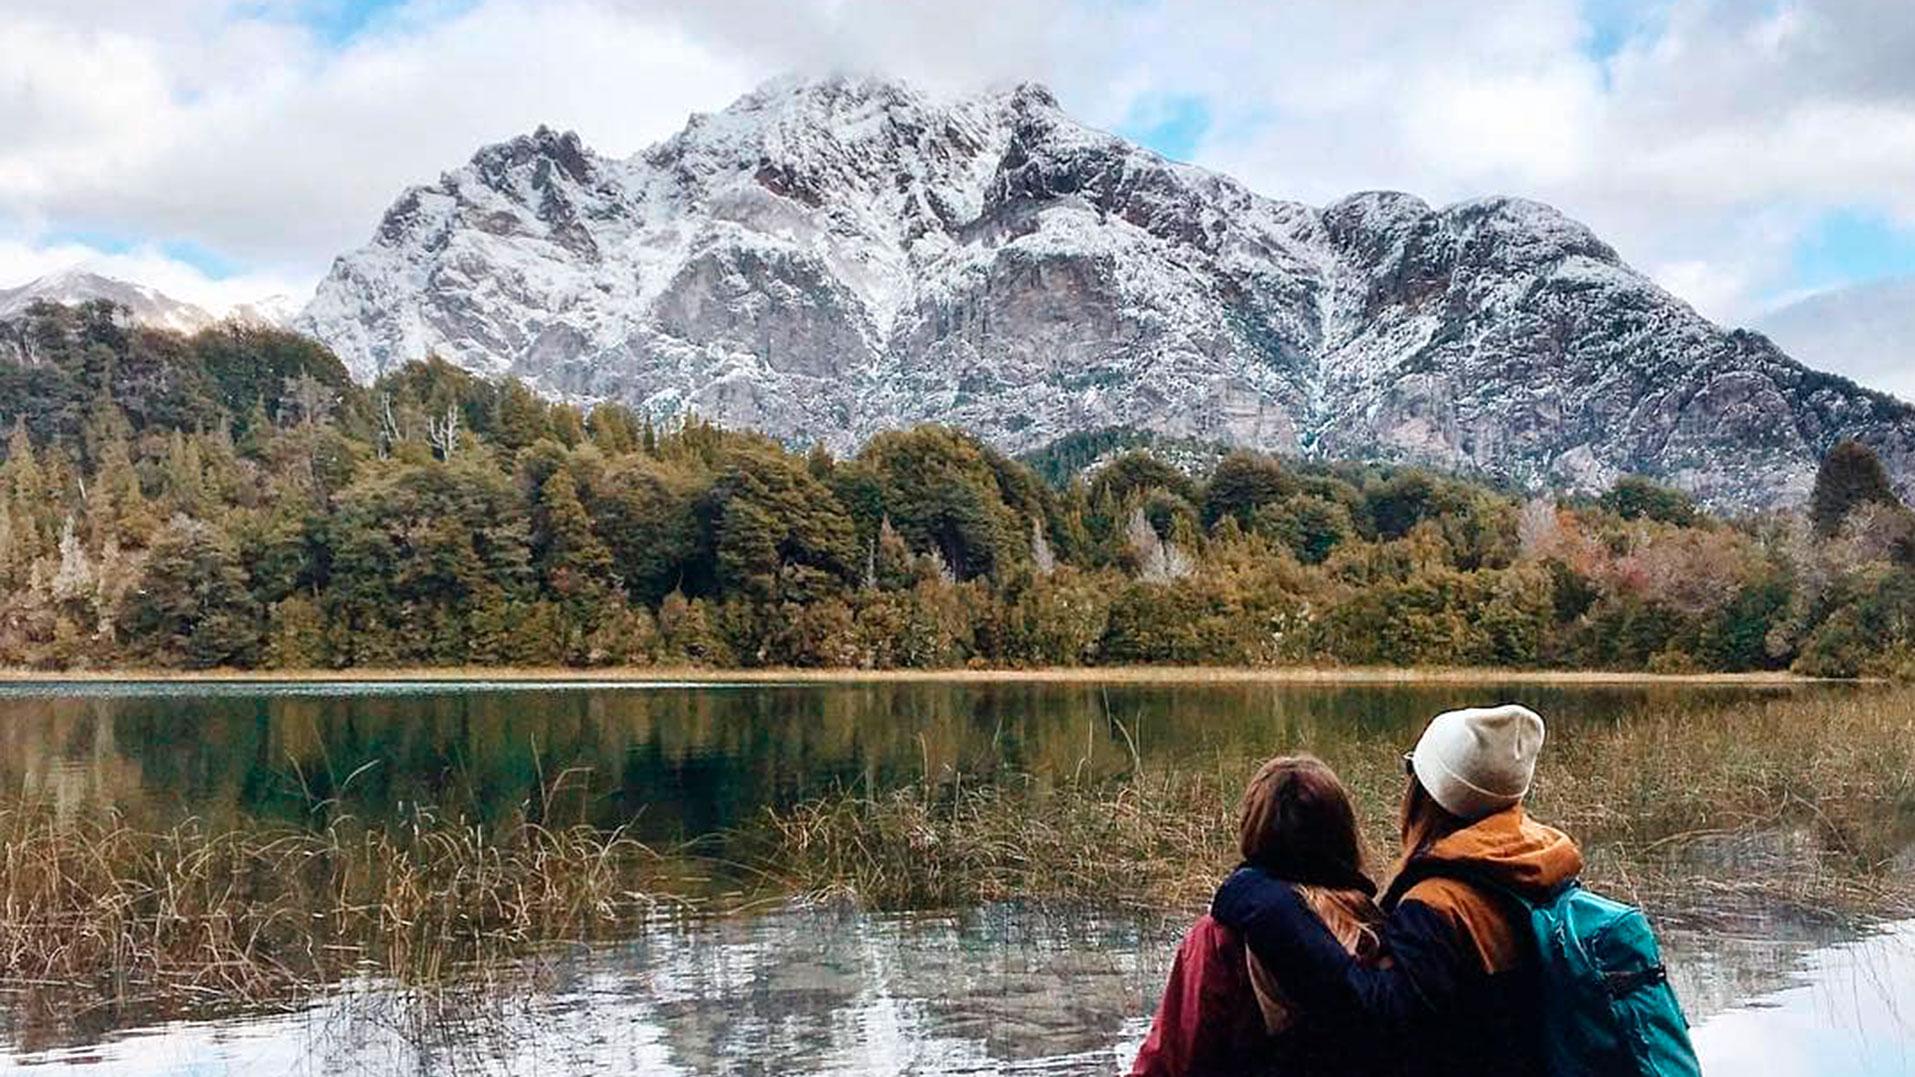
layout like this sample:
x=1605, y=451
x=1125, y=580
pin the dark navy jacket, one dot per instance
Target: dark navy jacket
x=1459, y=995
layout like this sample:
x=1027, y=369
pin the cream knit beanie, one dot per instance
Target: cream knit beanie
x=1479, y=760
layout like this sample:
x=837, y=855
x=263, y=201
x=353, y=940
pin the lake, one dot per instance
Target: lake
x=790, y=986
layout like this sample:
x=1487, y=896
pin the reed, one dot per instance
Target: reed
x=1148, y=840
x=94, y=908
x=1807, y=800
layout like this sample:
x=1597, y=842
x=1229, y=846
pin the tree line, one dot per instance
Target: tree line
x=234, y=499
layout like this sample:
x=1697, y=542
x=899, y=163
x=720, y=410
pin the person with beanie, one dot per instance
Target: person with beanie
x=1460, y=993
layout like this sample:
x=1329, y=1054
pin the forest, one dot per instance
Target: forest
x=233, y=499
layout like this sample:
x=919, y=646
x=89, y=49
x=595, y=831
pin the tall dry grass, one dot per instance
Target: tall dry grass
x=1148, y=839
x=92, y=907
x=1807, y=799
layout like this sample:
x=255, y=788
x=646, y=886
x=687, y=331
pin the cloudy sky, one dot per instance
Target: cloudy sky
x=1743, y=153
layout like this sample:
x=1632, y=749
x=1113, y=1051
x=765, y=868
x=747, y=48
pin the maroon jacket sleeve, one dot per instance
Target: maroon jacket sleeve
x=1206, y=1010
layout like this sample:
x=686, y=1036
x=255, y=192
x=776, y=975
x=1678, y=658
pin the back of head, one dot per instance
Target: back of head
x=1297, y=822
x=1479, y=760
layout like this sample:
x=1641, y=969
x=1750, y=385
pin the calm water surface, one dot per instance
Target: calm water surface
x=794, y=989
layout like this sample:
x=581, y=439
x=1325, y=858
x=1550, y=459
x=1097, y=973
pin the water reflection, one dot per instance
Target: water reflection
x=1003, y=989
x=675, y=761
x=1851, y=1015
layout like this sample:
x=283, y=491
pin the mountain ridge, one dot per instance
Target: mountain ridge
x=144, y=304
x=828, y=258
x=1866, y=328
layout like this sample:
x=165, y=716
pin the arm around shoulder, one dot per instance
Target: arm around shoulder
x=1427, y=966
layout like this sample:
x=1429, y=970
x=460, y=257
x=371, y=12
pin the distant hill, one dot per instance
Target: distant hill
x=145, y=305
x=1867, y=330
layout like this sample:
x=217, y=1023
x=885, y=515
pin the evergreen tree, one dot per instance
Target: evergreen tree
x=24, y=487
x=1851, y=474
x=566, y=424
x=1634, y=498
x=1243, y=483
x=193, y=606
x=1135, y=475
x=643, y=508
x=574, y=566
x=1310, y=527
x=942, y=494
x=614, y=429
x=521, y=416
x=184, y=476
x=12, y=564
x=777, y=532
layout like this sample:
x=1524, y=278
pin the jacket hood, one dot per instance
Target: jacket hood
x=1513, y=850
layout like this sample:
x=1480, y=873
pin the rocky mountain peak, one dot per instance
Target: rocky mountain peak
x=1031, y=97
x=537, y=156
x=828, y=257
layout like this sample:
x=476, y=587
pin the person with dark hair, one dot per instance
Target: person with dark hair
x=1461, y=993
x=1223, y=1011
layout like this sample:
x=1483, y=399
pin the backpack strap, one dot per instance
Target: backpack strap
x=1620, y=984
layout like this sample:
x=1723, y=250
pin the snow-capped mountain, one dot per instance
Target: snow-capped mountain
x=272, y=312
x=824, y=259
x=145, y=305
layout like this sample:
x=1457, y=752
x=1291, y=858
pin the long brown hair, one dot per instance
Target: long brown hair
x=1298, y=823
x=1422, y=822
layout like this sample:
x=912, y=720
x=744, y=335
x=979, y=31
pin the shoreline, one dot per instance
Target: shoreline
x=694, y=675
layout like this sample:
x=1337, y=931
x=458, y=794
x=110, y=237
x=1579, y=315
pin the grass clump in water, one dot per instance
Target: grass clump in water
x=1145, y=839
x=1805, y=799
x=94, y=908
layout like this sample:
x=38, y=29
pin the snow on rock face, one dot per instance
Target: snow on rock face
x=825, y=259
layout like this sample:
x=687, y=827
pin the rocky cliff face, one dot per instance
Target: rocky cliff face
x=825, y=259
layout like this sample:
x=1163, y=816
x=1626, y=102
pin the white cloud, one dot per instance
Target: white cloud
x=1706, y=285
x=289, y=152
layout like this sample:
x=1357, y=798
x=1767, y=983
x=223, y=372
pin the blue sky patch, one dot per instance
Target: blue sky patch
x=1852, y=245
x=339, y=21
x=200, y=257
x=335, y=22
x=1610, y=25
x=1172, y=125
